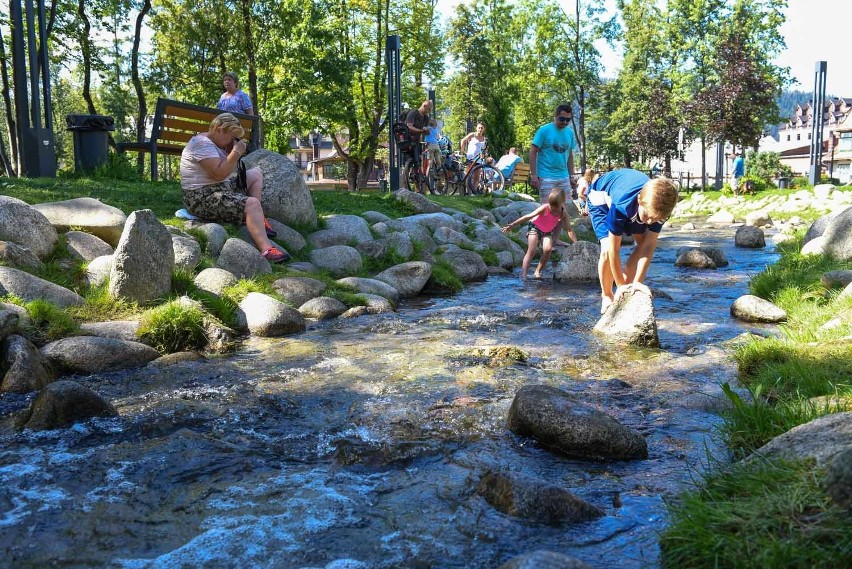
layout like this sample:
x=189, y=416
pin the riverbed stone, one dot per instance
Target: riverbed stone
x=544, y=560
x=9, y=322
x=85, y=246
x=87, y=214
x=269, y=318
x=416, y=232
x=215, y=280
x=407, y=278
x=120, y=329
x=818, y=227
x=91, y=354
x=63, y=403
x=338, y=260
x=175, y=358
x=838, y=479
x=22, y=224
x=467, y=265
x=19, y=257
x=287, y=236
x=298, y=290
x=695, y=259
x=820, y=439
x=355, y=226
x=631, y=319
x=715, y=253
x=559, y=421
x=143, y=260
x=374, y=216
x=578, y=263
x=836, y=279
x=355, y=312
x=322, y=308
x=22, y=366
x=377, y=304
x=445, y=235
x=285, y=195
x=373, y=249
x=242, y=259
x=187, y=252
x=30, y=287
x=420, y=204
x=750, y=308
x=98, y=270
x=838, y=236
x=758, y=218
x=434, y=221
x=401, y=244
x=534, y=500
x=749, y=237
x=328, y=238
x=371, y=286
x=721, y=217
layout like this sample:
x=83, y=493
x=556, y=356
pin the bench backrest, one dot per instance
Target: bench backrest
x=175, y=123
x=521, y=173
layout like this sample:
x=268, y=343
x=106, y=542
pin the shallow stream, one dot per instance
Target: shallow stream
x=359, y=444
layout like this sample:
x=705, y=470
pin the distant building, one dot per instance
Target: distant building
x=307, y=150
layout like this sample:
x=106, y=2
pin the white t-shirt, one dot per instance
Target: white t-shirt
x=474, y=147
x=192, y=173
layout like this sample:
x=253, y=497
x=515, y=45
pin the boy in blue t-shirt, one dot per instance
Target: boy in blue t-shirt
x=627, y=201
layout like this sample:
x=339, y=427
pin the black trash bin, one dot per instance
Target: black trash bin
x=91, y=139
x=783, y=183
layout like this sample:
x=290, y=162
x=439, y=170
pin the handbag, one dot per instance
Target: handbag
x=242, y=184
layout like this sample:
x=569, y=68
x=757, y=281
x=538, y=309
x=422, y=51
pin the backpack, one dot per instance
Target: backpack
x=402, y=137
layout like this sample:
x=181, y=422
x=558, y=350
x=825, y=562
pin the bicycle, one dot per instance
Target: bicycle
x=413, y=176
x=482, y=178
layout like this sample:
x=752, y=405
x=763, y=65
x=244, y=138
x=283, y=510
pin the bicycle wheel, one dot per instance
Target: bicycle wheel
x=474, y=181
x=492, y=179
x=411, y=175
x=439, y=181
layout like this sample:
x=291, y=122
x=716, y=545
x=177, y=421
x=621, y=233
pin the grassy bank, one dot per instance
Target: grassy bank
x=768, y=513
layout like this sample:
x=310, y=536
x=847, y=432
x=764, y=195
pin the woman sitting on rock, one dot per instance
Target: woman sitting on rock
x=211, y=188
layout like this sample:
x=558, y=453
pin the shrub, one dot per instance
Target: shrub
x=766, y=166
x=445, y=278
x=173, y=327
x=48, y=322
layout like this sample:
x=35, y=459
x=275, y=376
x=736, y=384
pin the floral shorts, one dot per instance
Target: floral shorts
x=221, y=202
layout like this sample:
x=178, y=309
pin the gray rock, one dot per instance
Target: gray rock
x=381, y=228
x=814, y=247
x=535, y=500
x=98, y=270
x=322, y=308
x=838, y=479
x=407, y=278
x=287, y=236
x=749, y=237
x=29, y=288
x=377, y=304
x=22, y=224
x=119, y=329
x=420, y=203
x=467, y=265
x=372, y=286
x=715, y=253
x=822, y=191
x=338, y=260
x=630, y=319
x=242, y=260
x=836, y=279
x=578, y=263
x=695, y=259
x=434, y=221
x=270, y=318
x=374, y=217
x=90, y=354
x=758, y=218
x=87, y=214
x=416, y=232
x=352, y=225
x=303, y=267
x=9, y=322
x=143, y=261
x=329, y=238
x=821, y=440
x=19, y=257
x=373, y=249
x=187, y=252
x=484, y=215
x=401, y=244
x=838, y=236
x=175, y=358
x=298, y=290
x=818, y=227
x=752, y=308
x=63, y=403
x=23, y=317
x=544, y=560
x=215, y=280
x=559, y=421
x=22, y=367
x=445, y=235
x=285, y=195
x=721, y=218
x=355, y=312
x=215, y=234
x=85, y=246
x=506, y=260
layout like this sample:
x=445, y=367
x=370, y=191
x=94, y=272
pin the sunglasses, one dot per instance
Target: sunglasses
x=563, y=119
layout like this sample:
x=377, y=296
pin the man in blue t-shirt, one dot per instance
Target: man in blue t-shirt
x=737, y=172
x=551, y=155
x=627, y=201
x=507, y=162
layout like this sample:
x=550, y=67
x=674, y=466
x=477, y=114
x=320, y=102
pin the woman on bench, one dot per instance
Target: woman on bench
x=212, y=189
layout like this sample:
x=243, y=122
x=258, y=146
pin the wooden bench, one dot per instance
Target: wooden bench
x=175, y=123
x=520, y=175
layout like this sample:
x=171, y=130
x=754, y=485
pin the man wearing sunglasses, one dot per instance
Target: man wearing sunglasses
x=551, y=155
x=627, y=201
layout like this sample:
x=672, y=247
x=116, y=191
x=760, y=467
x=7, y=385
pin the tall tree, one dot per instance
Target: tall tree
x=142, y=109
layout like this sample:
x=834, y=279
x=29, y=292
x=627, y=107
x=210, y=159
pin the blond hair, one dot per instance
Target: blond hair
x=556, y=198
x=589, y=175
x=658, y=198
x=226, y=122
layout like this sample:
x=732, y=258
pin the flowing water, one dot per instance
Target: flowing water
x=359, y=443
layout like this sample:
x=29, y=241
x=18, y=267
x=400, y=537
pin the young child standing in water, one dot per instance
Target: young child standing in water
x=545, y=221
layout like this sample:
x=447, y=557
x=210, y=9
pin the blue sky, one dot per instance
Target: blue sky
x=814, y=31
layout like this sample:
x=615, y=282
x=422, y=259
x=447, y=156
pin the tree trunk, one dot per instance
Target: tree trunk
x=86, y=52
x=137, y=84
x=703, y=161
x=10, y=117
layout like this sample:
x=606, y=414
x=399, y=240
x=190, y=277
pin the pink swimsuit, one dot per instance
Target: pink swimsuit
x=546, y=222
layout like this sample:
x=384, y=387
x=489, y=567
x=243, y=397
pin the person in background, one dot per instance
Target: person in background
x=234, y=99
x=211, y=188
x=737, y=171
x=583, y=189
x=551, y=154
x=433, y=149
x=473, y=146
x=507, y=162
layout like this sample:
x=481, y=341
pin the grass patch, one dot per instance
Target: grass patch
x=794, y=271
x=356, y=203
x=48, y=322
x=444, y=278
x=100, y=306
x=173, y=327
x=763, y=515
x=373, y=266
x=465, y=204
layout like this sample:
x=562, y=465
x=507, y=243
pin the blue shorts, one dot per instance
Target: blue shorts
x=598, y=213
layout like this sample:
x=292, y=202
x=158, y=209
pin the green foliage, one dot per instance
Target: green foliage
x=224, y=309
x=350, y=299
x=48, y=322
x=445, y=278
x=356, y=203
x=173, y=327
x=239, y=291
x=117, y=167
x=758, y=514
x=793, y=270
x=766, y=167
x=100, y=306
x=490, y=258
x=372, y=265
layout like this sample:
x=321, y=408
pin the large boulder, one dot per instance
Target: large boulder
x=9, y=322
x=242, y=260
x=749, y=237
x=143, y=261
x=22, y=224
x=535, y=500
x=85, y=246
x=758, y=218
x=287, y=236
x=695, y=259
x=372, y=286
x=286, y=197
x=120, y=329
x=298, y=290
x=818, y=227
x=631, y=319
x=407, y=278
x=559, y=421
x=400, y=243
x=86, y=214
x=354, y=226
x=19, y=257
x=446, y=235
x=752, y=308
x=29, y=288
x=838, y=479
x=22, y=367
x=215, y=234
x=339, y=260
x=836, y=279
x=820, y=439
x=434, y=221
x=270, y=318
x=578, y=263
x=838, y=236
x=467, y=265
x=63, y=403
x=90, y=354
x=715, y=253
